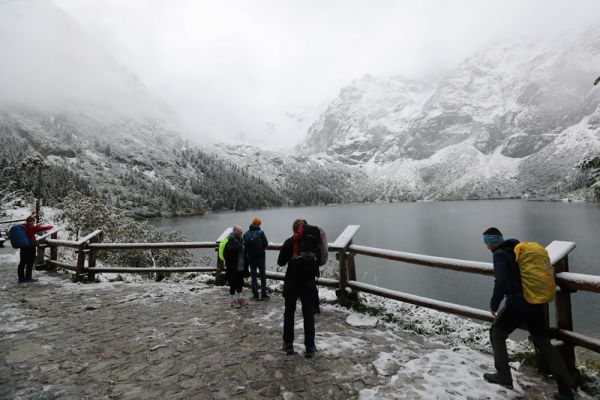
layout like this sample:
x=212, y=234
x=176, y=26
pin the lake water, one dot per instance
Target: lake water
x=447, y=229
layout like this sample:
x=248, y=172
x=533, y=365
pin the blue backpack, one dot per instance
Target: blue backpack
x=18, y=236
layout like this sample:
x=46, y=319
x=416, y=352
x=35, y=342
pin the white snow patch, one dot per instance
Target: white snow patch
x=12, y=320
x=442, y=374
x=333, y=344
x=362, y=321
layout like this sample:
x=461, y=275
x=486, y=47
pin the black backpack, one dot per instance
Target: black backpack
x=314, y=240
x=305, y=266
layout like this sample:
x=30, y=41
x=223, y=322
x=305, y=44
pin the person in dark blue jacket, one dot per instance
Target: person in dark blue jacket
x=517, y=311
x=256, y=242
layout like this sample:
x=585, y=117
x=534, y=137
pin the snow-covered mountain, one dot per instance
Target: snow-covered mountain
x=512, y=119
x=97, y=128
x=509, y=121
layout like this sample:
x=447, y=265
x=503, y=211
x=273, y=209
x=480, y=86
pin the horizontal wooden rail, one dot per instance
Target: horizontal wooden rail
x=150, y=270
x=579, y=339
x=572, y=280
x=333, y=283
x=274, y=275
x=474, y=267
x=152, y=246
x=274, y=246
x=12, y=221
x=64, y=243
x=63, y=265
x=423, y=301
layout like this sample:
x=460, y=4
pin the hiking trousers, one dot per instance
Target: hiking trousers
x=516, y=312
x=258, y=270
x=26, y=261
x=305, y=291
x=236, y=282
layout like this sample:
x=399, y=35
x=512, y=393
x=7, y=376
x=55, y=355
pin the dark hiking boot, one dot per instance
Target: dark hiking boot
x=310, y=352
x=495, y=379
x=265, y=297
x=255, y=297
x=289, y=349
x=563, y=396
x=31, y=280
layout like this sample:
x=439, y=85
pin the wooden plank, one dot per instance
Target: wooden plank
x=63, y=243
x=579, y=340
x=49, y=233
x=151, y=246
x=474, y=267
x=63, y=265
x=274, y=246
x=88, y=237
x=123, y=270
x=332, y=283
x=572, y=280
x=423, y=301
x=344, y=239
x=557, y=250
x=12, y=221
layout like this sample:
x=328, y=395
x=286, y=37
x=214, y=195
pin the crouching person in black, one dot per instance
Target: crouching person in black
x=299, y=282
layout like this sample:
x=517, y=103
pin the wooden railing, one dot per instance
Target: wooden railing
x=347, y=285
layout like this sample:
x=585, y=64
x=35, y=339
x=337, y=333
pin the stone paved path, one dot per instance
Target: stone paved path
x=60, y=340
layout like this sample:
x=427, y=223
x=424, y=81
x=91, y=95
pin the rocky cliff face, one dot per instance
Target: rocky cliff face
x=509, y=118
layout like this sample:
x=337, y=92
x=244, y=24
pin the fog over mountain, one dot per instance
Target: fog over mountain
x=514, y=119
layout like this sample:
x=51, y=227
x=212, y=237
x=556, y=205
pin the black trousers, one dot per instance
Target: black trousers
x=305, y=291
x=516, y=312
x=26, y=261
x=236, y=281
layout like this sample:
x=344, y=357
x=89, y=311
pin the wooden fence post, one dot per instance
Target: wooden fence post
x=342, y=293
x=80, y=262
x=351, y=266
x=564, y=317
x=54, y=249
x=40, y=256
x=347, y=270
x=92, y=257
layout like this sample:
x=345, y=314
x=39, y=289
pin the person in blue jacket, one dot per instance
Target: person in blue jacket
x=517, y=311
x=256, y=243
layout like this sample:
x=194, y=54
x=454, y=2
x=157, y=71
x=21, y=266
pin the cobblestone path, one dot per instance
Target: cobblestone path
x=61, y=340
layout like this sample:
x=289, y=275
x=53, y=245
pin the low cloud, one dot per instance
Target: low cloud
x=257, y=72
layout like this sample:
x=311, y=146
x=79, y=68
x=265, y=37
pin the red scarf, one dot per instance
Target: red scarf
x=296, y=244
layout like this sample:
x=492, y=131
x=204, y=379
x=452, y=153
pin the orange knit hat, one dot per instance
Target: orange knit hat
x=256, y=221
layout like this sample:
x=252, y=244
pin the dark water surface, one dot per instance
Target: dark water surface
x=447, y=229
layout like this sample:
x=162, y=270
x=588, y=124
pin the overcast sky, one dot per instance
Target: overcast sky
x=261, y=71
